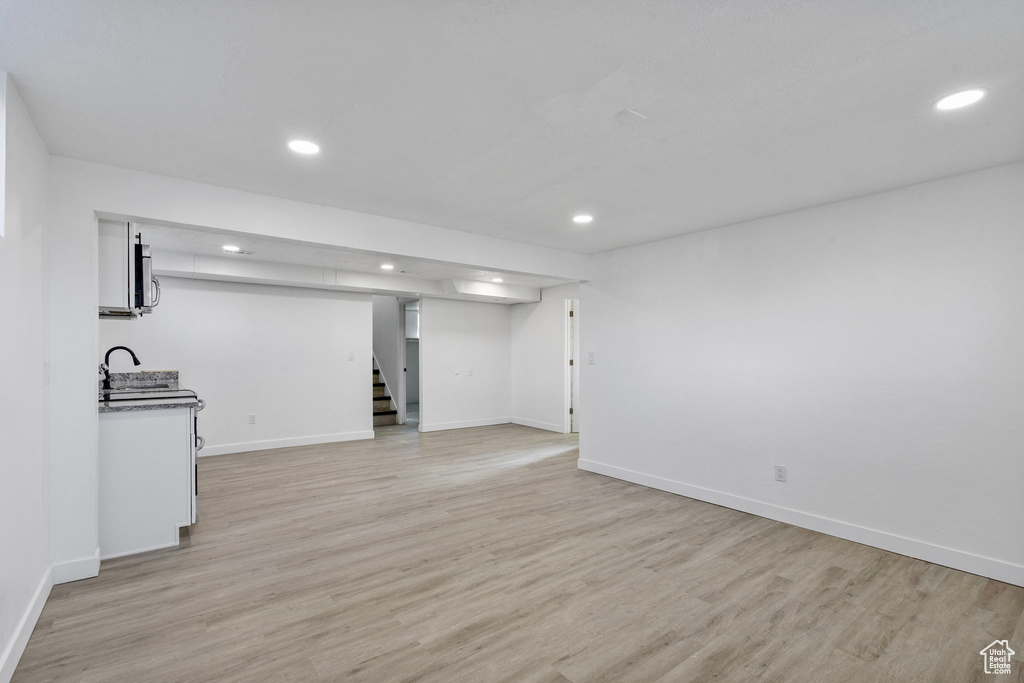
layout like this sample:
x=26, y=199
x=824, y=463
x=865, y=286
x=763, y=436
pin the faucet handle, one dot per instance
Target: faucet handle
x=103, y=368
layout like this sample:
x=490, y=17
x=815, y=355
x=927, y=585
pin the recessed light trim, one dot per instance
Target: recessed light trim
x=582, y=219
x=386, y=266
x=497, y=279
x=231, y=248
x=960, y=99
x=303, y=147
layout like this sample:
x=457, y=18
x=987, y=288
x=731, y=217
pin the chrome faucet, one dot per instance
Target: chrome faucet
x=105, y=365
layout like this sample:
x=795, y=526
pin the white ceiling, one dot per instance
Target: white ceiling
x=501, y=118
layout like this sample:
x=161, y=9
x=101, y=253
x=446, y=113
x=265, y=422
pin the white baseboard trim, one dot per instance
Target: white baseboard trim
x=284, y=443
x=19, y=639
x=150, y=549
x=537, y=424
x=76, y=570
x=947, y=557
x=442, y=426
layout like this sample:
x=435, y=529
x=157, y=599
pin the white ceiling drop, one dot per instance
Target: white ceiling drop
x=501, y=119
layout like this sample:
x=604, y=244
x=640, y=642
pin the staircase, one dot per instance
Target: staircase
x=383, y=412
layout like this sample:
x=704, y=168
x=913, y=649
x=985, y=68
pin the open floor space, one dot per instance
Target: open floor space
x=486, y=555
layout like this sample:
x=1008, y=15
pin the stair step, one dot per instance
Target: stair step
x=384, y=412
x=388, y=418
x=379, y=384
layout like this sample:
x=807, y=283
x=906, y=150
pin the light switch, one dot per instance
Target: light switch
x=351, y=355
x=590, y=358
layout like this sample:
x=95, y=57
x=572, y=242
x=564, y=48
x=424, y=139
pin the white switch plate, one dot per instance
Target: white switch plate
x=351, y=356
x=590, y=358
x=252, y=418
x=780, y=473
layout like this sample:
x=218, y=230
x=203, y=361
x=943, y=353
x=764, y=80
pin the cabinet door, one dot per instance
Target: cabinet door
x=143, y=479
x=116, y=261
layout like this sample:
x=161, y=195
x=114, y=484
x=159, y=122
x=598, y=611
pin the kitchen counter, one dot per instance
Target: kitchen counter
x=147, y=465
x=131, y=391
x=175, y=399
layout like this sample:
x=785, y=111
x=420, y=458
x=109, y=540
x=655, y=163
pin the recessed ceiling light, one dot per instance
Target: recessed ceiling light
x=304, y=147
x=386, y=266
x=582, y=218
x=232, y=248
x=497, y=279
x=960, y=99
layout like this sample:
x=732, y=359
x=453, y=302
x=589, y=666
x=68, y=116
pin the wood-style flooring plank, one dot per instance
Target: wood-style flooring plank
x=485, y=555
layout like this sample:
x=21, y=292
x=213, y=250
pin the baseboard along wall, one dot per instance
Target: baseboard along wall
x=947, y=557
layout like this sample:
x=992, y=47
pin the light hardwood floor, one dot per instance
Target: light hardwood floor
x=485, y=555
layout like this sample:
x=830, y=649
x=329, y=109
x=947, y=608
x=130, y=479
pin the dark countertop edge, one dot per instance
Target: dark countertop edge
x=146, y=404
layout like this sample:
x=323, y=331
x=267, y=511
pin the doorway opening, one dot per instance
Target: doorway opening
x=411, y=360
x=573, y=347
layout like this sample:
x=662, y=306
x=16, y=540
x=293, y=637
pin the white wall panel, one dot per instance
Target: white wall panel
x=464, y=364
x=24, y=350
x=540, y=373
x=872, y=346
x=279, y=353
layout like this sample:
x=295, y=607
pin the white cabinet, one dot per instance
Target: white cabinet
x=127, y=288
x=116, y=267
x=147, y=478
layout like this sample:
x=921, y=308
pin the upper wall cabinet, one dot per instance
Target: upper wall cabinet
x=127, y=286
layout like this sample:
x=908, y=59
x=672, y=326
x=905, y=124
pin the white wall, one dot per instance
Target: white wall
x=78, y=189
x=24, y=349
x=872, y=346
x=74, y=358
x=412, y=322
x=456, y=336
x=387, y=346
x=280, y=353
x=539, y=360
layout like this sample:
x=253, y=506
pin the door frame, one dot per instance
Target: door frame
x=572, y=366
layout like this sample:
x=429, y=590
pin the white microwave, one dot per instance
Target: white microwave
x=128, y=288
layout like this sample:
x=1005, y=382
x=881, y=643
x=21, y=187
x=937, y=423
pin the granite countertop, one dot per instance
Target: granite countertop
x=131, y=391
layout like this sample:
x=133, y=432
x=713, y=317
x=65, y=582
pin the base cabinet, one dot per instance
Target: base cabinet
x=147, y=479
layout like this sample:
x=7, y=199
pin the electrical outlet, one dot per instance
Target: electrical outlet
x=469, y=372
x=252, y=418
x=780, y=473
